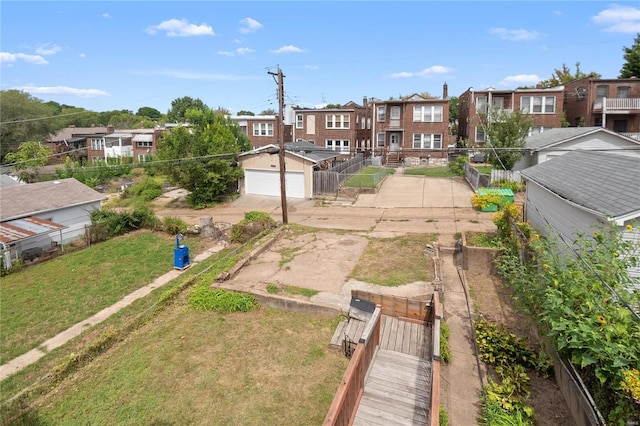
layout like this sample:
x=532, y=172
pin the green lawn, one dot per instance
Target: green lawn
x=485, y=170
x=429, y=171
x=45, y=299
x=364, y=178
x=191, y=367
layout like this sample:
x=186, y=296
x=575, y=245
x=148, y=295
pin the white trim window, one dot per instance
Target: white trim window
x=142, y=158
x=381, y=113
x=481, y=104
x=363, y=122
x=97, y=144
x=338, y=121
x=299, y=121
x=394, y=113
x=145, y=144
x=538, y=104
x=480, y=136
x=340, y=145
x=380, y=139
x=427, y=114
x=427, y=141
x=262, y=129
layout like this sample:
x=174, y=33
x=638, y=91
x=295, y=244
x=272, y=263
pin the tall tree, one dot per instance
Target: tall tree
x=126, y=121
x=453, y=114
x=28, y=159
x=631, y=66
x=565, y=75
x=23, y=118
x=269, y=111
x=243, y=112
x=150, y=113
x=204, y=155
x=180, y=106
x=507, y=133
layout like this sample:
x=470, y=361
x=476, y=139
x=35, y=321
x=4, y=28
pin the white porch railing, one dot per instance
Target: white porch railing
x=617, y=104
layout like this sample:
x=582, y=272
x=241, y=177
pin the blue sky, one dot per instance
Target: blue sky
x=129, y=54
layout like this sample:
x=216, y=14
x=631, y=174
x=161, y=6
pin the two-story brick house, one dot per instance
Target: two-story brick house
x=610, y=103
x=545, y=105
x=262, y=130
x=136, y=146
x=346, y=130
x=413, y=128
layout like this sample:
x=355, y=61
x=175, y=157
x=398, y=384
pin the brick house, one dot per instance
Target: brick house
x=545, y=105
x=610, y=103
x=262, y=130
x=73, y=141
x=346, y=130
x=414, y=128
x=136, y=145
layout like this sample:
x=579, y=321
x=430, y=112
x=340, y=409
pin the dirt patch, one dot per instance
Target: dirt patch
x=494, y=302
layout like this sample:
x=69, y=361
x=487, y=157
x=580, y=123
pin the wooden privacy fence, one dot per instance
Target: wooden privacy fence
x=346, y=400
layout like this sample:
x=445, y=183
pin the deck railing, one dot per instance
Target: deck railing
x=435, y=317
x=616, y=104
x=346, y=400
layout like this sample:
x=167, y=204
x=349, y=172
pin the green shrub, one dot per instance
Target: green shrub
x=205, y=299
x=457, y=166
x=509, y=184
x=443, y=417
x=445, y=351
x=272, y=288
x=253, y=224
x=174, y=225
x=147, y=189
x=108, y=223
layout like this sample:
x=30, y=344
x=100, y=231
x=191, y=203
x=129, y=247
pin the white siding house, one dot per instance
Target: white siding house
x=580, y=192
x=552, y=143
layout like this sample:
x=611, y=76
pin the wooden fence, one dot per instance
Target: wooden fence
x=345, y=403
x=512, y=175
x=434, y=319
x=394, y=306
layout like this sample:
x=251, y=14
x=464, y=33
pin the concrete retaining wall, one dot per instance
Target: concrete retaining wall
x=477, y=258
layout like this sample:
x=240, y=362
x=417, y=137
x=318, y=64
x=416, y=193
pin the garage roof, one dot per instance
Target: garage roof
x=303, y=149
x=20, y=229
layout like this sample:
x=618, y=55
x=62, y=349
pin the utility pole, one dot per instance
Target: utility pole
x=281, y=157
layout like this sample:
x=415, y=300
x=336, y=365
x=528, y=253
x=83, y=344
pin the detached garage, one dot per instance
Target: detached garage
x=262, y=169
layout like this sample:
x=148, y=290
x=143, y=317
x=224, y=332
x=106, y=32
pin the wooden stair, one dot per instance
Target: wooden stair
x=393, y=159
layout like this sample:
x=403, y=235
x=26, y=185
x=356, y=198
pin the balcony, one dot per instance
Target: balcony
x=617, y=105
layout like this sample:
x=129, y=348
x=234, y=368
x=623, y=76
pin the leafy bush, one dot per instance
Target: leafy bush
x=221, y=301
x=509, y=184
x=445, y=351
x=443, y=416
x=254, y=223
x=272, y=288
x=174, y=225
x=108, y=223
x=147, y=189
x=457, y=166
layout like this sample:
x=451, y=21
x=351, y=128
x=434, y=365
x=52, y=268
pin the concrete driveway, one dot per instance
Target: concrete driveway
x=399, y=190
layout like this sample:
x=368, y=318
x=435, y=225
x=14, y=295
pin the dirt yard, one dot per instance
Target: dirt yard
x=493, y=301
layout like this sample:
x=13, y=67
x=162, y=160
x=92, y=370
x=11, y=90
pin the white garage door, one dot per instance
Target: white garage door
x=267, y=182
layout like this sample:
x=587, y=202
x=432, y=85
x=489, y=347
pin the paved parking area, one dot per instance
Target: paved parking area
x=419, y=192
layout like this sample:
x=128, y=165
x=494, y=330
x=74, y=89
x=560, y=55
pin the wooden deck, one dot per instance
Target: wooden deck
x=396, y=391
x=397, y=388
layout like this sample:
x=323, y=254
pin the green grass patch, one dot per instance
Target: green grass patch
x=291, y=289
x=429, y=171
x=445, y=351
x=364, y=178
x=485, y=170
x=395, y=261
x=261, y=367
x=44, y=299
x=482, y=239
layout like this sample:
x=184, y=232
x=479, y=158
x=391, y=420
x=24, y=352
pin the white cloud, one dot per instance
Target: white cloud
x=48, y=49
x=64, y=90
x=312, y=67
x=427, y=72
x=557, y=12
x=10, y=58
x=402, y=74
x=619, y=19
x=106, y=15
x=82, y=55
x=288, y=49
x=436, y=69
x=181, y=28
x=519, y=34
x=238, y=52
x=520, y=80
x=249, y=25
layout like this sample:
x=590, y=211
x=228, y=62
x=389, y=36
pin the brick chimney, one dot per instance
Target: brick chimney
x=364, y=101
x=445, y=91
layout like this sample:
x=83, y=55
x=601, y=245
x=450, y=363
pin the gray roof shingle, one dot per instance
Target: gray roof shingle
x=538, y=141
x=26, y=200
x=603, y=182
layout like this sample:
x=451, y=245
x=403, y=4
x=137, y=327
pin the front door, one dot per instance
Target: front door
x=394, y=142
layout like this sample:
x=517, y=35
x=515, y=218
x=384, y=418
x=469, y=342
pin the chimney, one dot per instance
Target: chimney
x=445, y=91
x=110, y=129
x=364, y=101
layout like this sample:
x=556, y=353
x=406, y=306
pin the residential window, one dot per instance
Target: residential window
x=427, y=114
x=368, y=123
x=340, y=145
x=337, y=121
x=481, y=104
x=380, y=139
x=382, y=114
x=144, y=157
x=363, y=122
x=538, y=104
x=243, y=129
x=97, y=144
x=394, y=113
x=262, y=129
x=623, y=92
x=602, y=92
x=145, y=144
x=480, y=137
x=427, y=141
x=299, y=121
